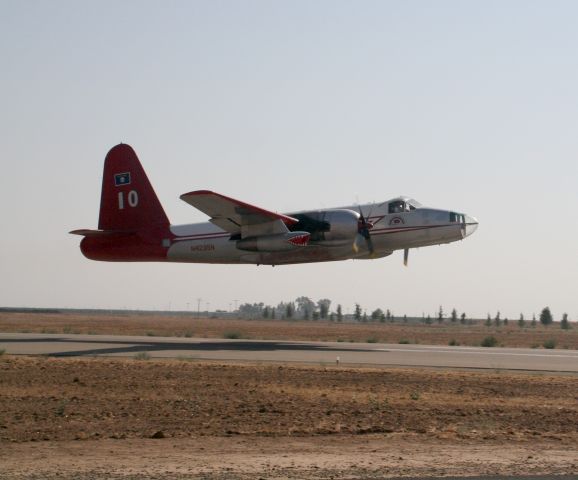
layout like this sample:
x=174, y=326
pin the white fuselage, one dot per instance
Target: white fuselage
x=397, y=225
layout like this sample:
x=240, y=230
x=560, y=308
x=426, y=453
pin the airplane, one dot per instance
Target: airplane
x=133, y=226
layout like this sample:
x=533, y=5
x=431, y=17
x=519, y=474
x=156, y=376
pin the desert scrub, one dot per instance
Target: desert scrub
x=142, y=356
x=60, y=410
x=550, y=343
x=233, y=335
x=490, y=341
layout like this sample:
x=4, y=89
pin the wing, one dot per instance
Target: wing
x=237, y=217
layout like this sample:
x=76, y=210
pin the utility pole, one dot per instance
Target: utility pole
x=199, y=300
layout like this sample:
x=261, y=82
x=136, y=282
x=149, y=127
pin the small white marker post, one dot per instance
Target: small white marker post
x=337, y=361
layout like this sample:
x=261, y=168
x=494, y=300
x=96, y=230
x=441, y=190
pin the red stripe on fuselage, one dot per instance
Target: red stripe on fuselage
x=202, y=236
x=383, y=231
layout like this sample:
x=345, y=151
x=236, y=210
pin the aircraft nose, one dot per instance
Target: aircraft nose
x=471, y=225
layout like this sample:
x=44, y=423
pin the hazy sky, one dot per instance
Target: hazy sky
x=470, y=106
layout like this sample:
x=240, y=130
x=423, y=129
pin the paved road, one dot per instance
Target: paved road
x=278, y=351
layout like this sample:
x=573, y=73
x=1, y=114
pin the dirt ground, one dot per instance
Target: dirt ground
x=251, y=458
x=189, y=326
x=125, y=418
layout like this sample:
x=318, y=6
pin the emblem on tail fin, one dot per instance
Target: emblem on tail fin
x=121, y=179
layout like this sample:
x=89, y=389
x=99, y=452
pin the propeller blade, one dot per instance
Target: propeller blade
x=363, y=230
x=355, y=246
x=405, y=256
x=369, y=244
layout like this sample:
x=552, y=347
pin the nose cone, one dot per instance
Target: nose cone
x=470, y=225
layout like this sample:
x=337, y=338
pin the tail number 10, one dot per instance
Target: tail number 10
x=132, y=199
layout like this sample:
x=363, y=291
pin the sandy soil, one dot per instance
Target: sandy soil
x=97, y=418
x=247, y=458
x=188, y=326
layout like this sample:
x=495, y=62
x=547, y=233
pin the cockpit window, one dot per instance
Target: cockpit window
x=413, y=204
x=457, y=217
x=397, y=207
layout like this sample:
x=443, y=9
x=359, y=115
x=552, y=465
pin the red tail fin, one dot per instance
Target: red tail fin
x=133, y=226
x=128, y=201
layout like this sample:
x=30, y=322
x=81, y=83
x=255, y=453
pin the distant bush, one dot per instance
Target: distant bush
x=232, y=335
x=490, y=341
x=151, y=334
x=372, y=339
x=550, y=343
x=188, y=334
x=142, y=356
x=453, y=342
x=2, y=351
x=415, y=396
x=404, y=341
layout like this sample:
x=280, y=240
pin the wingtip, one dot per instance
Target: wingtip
x=197, y=192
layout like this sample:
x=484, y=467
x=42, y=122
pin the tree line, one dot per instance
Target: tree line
x=303, y=308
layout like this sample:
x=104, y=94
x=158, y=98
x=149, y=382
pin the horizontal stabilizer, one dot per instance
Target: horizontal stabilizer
x=102, y=233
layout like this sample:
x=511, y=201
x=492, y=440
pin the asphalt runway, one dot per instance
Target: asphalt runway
x=320, y=353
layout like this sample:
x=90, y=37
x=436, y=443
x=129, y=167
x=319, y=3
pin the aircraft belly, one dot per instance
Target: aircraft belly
x=309, y=254
x=222, y=250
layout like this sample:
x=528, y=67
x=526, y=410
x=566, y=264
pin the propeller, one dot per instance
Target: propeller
x=405, y=256
x=363, y=228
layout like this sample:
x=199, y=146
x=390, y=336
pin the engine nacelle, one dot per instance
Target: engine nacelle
x=274, y=243
x=331, y=227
